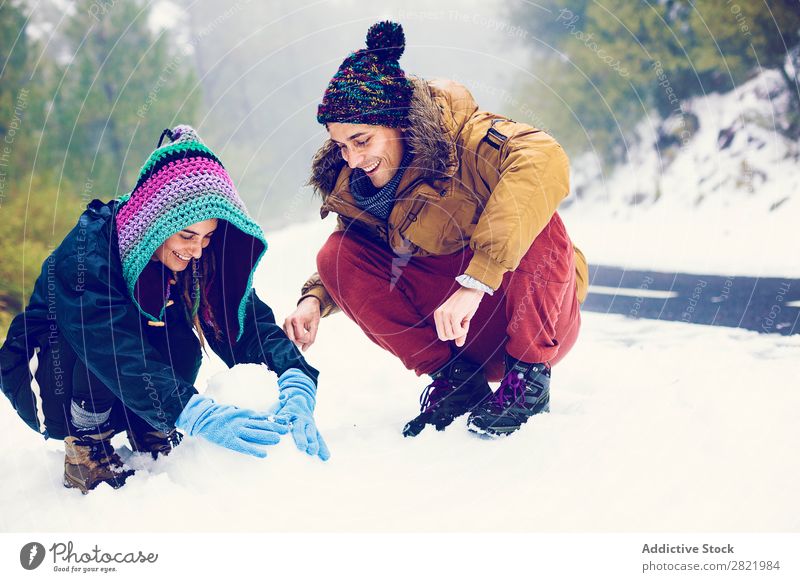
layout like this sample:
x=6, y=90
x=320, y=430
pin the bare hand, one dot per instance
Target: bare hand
x=453, y=316
x=301, y=325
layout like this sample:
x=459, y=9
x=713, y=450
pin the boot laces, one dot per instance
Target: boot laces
x=511, y=390
x=102, y=452
x=434, y=394
x=173, y=439
x=165, y=442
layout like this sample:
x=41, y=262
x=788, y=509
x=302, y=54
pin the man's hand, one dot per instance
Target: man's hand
x=453, y=316
x=301, y=325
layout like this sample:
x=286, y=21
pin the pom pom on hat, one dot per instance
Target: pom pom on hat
x=387, y=37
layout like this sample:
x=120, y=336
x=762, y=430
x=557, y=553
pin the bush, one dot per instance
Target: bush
x=36, y=217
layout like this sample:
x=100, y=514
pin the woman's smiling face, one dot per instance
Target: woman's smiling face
x=185, y=245
x=376, y=149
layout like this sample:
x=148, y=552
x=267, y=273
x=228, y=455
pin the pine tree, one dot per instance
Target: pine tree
x=122, y=86
x=603, y=66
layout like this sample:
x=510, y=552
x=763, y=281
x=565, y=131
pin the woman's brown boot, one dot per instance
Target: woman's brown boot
x=154, y=442
x=90, y=460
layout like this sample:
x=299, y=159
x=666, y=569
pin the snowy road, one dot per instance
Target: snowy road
x=765, y=305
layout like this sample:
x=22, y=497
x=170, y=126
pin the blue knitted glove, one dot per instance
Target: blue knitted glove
x=296, y=406
x=238, y=429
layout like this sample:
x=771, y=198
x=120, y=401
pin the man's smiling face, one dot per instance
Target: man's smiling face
x=376, y=149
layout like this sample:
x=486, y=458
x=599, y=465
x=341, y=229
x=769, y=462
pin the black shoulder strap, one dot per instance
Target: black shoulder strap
x=493, y=137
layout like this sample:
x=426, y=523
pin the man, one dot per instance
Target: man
x=448, y=250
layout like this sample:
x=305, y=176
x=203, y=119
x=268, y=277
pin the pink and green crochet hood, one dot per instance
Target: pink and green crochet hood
x=183, y=183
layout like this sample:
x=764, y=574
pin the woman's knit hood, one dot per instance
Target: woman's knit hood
x=180, y=184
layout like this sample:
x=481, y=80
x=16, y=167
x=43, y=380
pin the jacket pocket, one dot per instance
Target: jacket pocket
x=442, y=225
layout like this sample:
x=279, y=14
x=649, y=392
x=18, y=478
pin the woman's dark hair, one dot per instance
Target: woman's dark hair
x=194, y=286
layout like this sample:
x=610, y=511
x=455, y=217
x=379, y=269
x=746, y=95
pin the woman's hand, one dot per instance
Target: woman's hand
x=453, y=316
x=297, y=397
x=301, y=325
x=239, y=429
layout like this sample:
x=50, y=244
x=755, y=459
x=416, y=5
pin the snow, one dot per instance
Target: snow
x=702, y=206
x=655, y=426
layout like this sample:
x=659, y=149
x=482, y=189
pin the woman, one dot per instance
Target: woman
x=111, y=338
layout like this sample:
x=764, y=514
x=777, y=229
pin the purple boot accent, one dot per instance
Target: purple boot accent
x=523, y=392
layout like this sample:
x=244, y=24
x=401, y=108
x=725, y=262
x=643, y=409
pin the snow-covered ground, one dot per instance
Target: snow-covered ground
x=724, y=201
x=655, y=426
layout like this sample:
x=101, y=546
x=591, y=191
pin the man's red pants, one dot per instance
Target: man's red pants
x=534, y=316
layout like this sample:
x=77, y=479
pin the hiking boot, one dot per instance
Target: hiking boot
x=456, y=389
x=90, y=460
x=524, y=391
x=154, y=442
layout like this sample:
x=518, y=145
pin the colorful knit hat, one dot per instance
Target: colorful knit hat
x=370, y=87
x=180, y=184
